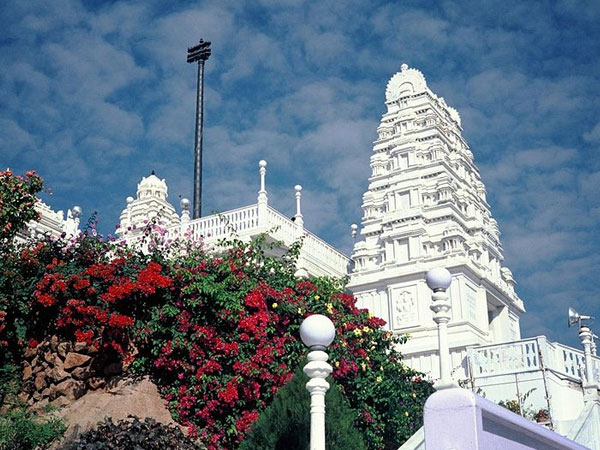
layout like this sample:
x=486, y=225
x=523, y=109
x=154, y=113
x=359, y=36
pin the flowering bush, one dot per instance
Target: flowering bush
x=219, y=331
x=230, y=339
x=17, y=198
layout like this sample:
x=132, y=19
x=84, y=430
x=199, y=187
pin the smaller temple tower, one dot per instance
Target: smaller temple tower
x=426, y=207
x=150, y=204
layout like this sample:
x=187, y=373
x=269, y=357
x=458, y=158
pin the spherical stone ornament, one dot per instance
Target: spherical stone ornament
x=317, y=331
x=297, y=188
x=262, y=163
x=438, y=279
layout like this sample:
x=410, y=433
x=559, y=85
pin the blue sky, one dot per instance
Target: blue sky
x=95, y=95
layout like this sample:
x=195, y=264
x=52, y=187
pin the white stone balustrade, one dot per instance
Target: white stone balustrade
x=319, y=257
x=524, y=356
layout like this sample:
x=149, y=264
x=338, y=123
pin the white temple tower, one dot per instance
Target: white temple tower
x=425, y=207
x=150, y=204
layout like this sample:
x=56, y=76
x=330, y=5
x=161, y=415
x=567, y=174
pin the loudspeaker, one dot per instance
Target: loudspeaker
x=575, y=317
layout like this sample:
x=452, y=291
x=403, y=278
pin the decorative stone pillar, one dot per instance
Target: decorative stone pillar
x=262, y=194
x=317, y=332
x=438, y=279
x=299, y=220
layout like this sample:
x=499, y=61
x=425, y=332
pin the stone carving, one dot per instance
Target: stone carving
x=405, y=311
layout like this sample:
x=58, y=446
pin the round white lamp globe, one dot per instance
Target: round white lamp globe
x=438, y=279
x=317, y=331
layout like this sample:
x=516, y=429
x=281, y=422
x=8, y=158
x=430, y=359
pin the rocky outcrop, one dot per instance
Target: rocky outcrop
x=61, y=372
x=139, y=398
x=86, y=389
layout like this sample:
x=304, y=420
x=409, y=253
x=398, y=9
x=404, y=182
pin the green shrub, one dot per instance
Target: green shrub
x=133, y=434
x=285, y=424
x=23, y=430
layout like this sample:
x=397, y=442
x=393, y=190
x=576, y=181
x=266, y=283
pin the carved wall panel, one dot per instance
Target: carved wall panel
x=405, y=311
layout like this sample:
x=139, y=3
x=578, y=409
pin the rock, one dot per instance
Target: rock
x=46, y=392
x=40, y=381
x=27, y=372
x=60, y=402
x=34, y=361
x=37, y=369
x=139, y=398
x=23, y=397
x=75, y=360
x=40, y=406
x=92, y=349
x=80, y=373
x=50, y=358
x=69, y=388
x=113, y=369
x=96, y=383
x=63, y=348
x=54, y=343
x=80, y=347
x=30, y=352
x=57, y=374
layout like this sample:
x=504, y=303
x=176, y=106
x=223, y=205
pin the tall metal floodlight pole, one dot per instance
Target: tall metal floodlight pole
x=200, y=54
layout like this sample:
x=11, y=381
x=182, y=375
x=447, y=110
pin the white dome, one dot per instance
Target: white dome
x=152, y=186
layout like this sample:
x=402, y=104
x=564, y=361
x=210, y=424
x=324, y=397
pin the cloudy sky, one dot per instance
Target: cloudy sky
x=95, y=95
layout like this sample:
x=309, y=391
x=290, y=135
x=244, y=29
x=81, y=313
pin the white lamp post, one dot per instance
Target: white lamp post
x=317, y=332
x=438, y=279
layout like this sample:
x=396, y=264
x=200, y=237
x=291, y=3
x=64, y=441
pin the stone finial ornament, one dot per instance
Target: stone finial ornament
x=406, y=82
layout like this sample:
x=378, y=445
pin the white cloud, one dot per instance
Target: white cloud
x=593, y=136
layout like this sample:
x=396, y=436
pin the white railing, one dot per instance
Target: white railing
x=502, y=359
x=245, y=222
x=219, y=226
x=316, y=249
x=524, y=356
x=568, y=361
x=282, y=228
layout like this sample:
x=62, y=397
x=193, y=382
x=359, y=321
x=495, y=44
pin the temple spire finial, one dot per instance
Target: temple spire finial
x=298, y=217
x=262, y=170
